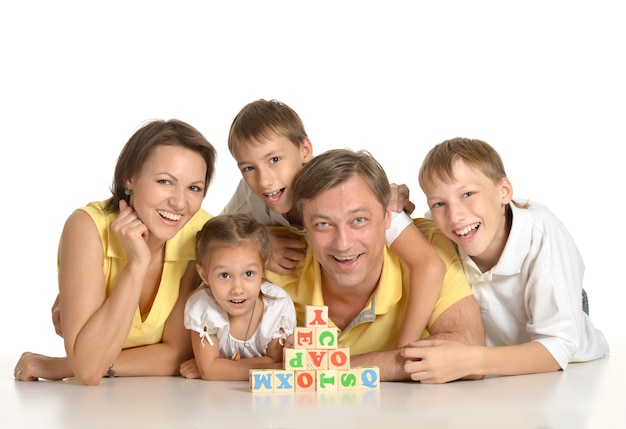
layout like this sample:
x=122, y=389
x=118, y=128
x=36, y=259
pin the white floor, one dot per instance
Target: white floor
x=589, y=395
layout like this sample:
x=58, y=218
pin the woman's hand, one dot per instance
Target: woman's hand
x=33, y=366
x=132, y=234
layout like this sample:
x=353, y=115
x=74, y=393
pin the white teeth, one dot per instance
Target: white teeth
x=273, y=194
x=345, y=258
x=237, y=301
x=170, y=216
x=467, y=229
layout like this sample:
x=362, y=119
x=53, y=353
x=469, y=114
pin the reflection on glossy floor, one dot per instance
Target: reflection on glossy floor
x=589, y=395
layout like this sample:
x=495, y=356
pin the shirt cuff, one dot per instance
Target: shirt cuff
x=399, y=221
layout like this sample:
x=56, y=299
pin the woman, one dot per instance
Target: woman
x=127, y=264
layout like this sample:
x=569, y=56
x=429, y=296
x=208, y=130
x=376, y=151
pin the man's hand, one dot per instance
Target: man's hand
x=400, y=199
x=287, y=250
x=440, y=361
x=56, y=316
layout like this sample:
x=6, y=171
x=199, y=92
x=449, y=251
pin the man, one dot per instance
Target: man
x=343, y=198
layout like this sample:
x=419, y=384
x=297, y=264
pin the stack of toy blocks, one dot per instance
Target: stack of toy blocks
x=315, y=362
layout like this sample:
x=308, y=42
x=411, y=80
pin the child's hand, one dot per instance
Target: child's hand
x=287, y=250
x=189, y=369
x=288, y=344
x=400, y=199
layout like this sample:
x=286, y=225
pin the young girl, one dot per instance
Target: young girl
x=524, y=268
x=237, y=320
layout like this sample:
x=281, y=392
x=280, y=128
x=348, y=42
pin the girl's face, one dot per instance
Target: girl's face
x=168, y=190
x=471, y=212
x=234, y=272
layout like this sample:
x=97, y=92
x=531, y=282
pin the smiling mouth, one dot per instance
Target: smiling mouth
x=274, y=196
x=345, y=258
x=169, y=216
x=468, y=229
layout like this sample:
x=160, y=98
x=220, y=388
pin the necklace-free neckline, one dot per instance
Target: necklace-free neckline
x=235, y=355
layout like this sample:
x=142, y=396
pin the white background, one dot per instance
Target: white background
x=542, y=81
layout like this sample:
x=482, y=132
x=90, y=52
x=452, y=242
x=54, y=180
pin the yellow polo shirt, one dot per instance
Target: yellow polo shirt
x=378, y=325
x=180, y=250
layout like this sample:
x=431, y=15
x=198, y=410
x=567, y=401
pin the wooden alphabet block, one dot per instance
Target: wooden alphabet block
x=315, y=363
x=316, y=359
x=368, y=377
x=284, y=381
x=305, y=381
x=326, y=380
x=294, y=359
x=326, y=338
x=347, y=379
x=316, y=316
x=304, y=338
x=261, y=380
x=339, y=358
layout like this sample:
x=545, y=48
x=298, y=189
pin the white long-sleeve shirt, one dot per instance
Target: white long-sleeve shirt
x=534, y=291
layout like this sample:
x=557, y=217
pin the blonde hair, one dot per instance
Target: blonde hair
x=475, y=154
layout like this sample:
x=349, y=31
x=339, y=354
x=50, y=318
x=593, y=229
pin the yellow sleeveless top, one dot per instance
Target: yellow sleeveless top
x=179, y=252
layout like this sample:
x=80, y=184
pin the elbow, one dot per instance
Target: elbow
x=88, y=376
x=87, y=373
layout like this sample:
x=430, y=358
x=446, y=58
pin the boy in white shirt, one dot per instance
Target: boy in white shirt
x=524, y=268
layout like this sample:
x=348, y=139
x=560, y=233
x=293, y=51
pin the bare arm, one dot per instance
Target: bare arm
x=440, y=361
x=163, y=358
x=94, y=326
x=460, y=323
x=390, y=364
x=211, y=366
x=427, y=274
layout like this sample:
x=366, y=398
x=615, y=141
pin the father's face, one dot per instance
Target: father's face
x=346, y=227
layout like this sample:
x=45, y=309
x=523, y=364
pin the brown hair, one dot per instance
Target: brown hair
x=475, y=153
x=335, y=167
x=145, y=140
x=262, y=117
x=233, y=229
